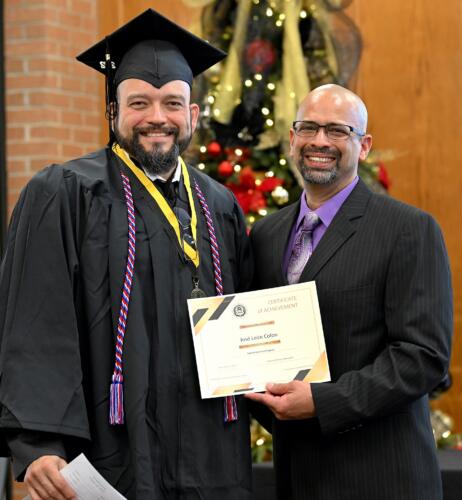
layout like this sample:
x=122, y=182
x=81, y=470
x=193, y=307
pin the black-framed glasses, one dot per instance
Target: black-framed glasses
x=333, y=131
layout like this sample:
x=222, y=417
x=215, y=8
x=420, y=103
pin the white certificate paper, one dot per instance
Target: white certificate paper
x=87, y=482
x=242, y=341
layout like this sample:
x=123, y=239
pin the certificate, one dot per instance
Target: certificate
x=242, y=341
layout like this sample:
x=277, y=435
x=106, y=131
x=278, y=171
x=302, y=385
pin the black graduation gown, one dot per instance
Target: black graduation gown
x=60, y=289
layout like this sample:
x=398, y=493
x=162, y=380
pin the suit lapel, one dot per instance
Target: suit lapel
x=340, y=230
x=280, y=236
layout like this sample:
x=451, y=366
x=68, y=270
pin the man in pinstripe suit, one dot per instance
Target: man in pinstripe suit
x=384, y=288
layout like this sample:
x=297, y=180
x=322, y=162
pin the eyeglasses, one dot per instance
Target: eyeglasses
x=334, y=131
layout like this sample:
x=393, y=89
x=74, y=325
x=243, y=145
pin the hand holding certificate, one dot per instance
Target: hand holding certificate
x=244, y=340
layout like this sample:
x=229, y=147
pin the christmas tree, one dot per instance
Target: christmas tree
x=277, y=52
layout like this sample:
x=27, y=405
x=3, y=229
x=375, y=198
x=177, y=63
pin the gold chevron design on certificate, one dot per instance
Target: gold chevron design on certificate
x=209, y=309
x=320, y=370
x=230, y=389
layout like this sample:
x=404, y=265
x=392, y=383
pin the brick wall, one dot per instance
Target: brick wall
x=53, y=102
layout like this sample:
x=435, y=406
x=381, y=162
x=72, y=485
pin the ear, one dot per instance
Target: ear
x=194, y=110
x=291, y=141
x=366, y=144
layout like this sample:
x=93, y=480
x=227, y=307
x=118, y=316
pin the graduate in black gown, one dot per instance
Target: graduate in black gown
x=102, y=254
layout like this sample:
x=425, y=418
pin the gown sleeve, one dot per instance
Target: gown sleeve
x=26, y=446
x=40, y=363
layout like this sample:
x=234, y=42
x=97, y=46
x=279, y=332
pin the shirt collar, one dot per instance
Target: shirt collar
x=175, y=177
x=329, y=209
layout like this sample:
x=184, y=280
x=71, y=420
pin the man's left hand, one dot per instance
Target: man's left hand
x=291, y=401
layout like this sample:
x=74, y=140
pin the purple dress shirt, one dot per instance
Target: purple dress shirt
x=326, y=213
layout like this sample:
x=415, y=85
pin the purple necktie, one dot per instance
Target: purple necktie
x=303, y=247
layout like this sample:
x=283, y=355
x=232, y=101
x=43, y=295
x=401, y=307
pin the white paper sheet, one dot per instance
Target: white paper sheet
x=87, y=482
x=244, y=340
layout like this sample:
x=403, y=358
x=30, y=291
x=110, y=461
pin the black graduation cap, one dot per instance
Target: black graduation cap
x=150, y=47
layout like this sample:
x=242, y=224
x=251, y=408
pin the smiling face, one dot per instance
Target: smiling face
x=322, y=161
x=154, y=125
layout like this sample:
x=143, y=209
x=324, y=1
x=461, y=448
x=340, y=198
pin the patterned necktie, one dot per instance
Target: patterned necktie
x=303, y=247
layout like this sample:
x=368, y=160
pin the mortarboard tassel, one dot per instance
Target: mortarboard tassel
x=111, y=105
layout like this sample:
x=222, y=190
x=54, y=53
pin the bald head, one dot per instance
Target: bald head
x=339, y=101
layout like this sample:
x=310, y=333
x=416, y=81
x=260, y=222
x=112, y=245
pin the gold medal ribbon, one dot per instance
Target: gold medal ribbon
x=165, y=208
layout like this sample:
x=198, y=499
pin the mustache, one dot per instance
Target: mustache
x=326, y=150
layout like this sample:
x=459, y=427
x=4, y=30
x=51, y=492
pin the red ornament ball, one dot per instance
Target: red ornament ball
x=225, y=168
x=214, y=148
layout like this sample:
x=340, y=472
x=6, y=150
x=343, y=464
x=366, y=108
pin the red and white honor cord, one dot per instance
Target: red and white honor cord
x=230, y=407
x=116, y=401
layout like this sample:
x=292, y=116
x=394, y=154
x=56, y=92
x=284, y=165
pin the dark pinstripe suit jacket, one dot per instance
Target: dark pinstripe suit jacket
x=384, y=288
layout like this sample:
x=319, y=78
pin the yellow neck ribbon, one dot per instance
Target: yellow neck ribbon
x=165, y=208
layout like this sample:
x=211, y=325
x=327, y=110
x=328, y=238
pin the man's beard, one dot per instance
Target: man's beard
x=317, y=175
x=155, y=161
